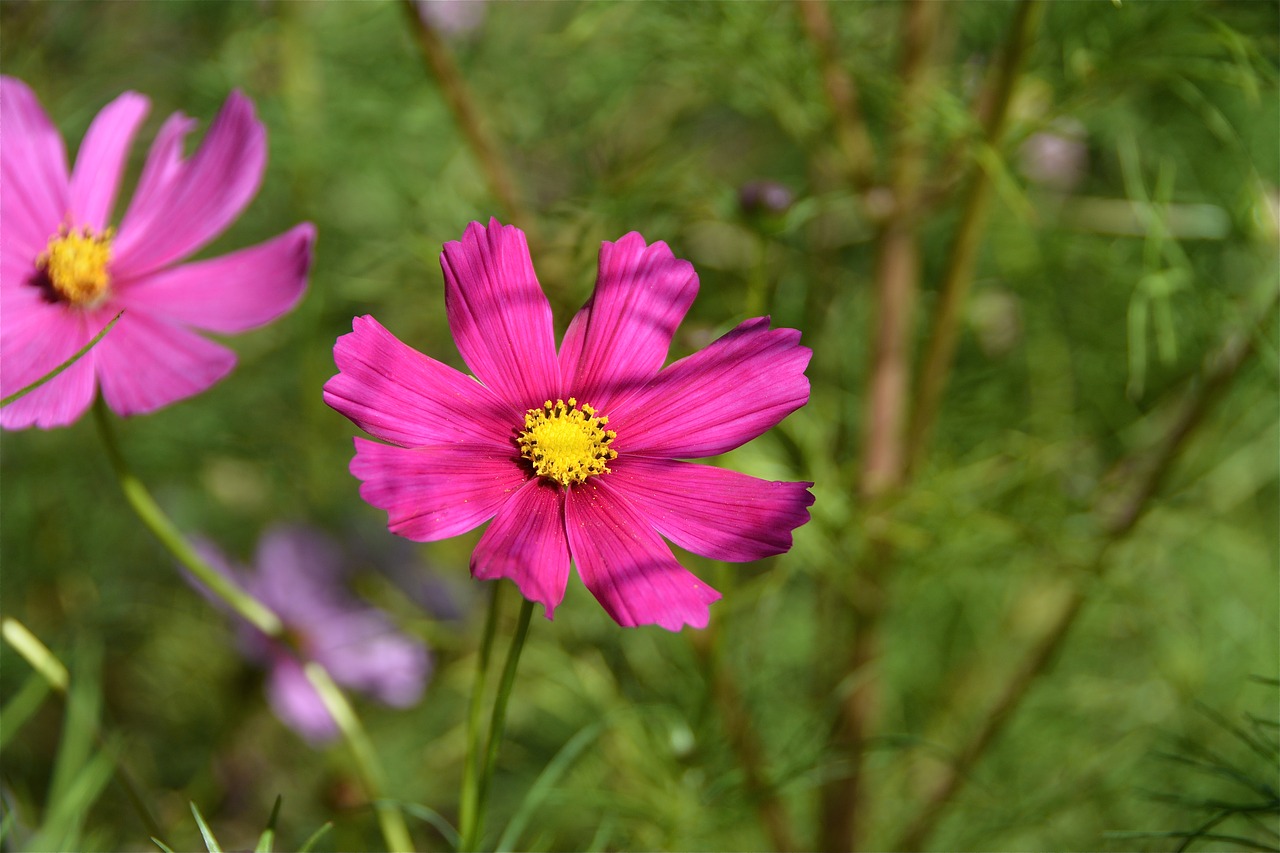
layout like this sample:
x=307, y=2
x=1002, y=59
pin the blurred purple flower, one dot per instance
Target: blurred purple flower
x=299, y=576
x=1056, y=158
x=451, y=17
x=764, y=197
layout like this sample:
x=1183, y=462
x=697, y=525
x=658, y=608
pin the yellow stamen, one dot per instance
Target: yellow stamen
x=565, y=443
x=76, y=265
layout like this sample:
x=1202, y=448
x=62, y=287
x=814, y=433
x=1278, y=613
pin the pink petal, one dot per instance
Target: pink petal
x=33, y=172
x=619, y=339
x=232, y=293
x=627, y=566
x=719, y=514
x=719, y=398
x=296, y=702
x=197, y=203
x=499, y=316
x=37, y=344
x=145, y=363
x=164, y=164
x=398, y=394
x=433, y=493
x=101, y=159
x=526, y=543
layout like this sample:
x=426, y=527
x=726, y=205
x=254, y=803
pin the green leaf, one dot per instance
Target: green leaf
x=269, y=834
x=546, y=780
x=22, y=392
x=437, y=820
x=210, y=843
x=165, y=847
x=20, y=708
x=310, y=843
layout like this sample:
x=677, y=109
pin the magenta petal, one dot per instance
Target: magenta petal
x=163, y=165
x=296, y=702
x=232, y=293
x=436, y=492
x=719, y=398
x=34, y=343
x=145, y=363
x=33, y=172
x=722, y=515
x=101, y=160
x=627, y=566
x=396, y=393
x=526, y=543
x=619, y=339
x=194, y=206
x=499, y=316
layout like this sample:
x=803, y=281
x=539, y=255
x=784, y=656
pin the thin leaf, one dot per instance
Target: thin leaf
x=210, y=843
x=439, y=821
x=79, y=354
x=20, y=708
x=544, y=783
x=315, y=837
x=165, y=847
x=269, y=834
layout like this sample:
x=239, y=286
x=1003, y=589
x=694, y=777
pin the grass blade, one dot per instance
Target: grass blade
x=79, y=354
x=542, y=786
x=210, y=843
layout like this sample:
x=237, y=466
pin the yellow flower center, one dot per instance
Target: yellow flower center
x=76, y=265
x=565, y=443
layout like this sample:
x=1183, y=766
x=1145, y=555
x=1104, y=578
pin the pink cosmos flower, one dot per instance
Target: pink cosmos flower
x=299, y=576
x=573, y=454
x=65, y=271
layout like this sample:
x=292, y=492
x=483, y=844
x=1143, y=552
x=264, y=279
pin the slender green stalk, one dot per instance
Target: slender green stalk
x=36, y=653
x=394, y=831
x=390, y=820
x=498, y=721
x=167, y=532
x=468, y=808
x=22, y=392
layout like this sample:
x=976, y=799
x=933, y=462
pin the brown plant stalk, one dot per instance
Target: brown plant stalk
x=1119, y=514
x=741, y=733
x=842, y=93
x=958, y=273
x=843, y=799
x=439, y=61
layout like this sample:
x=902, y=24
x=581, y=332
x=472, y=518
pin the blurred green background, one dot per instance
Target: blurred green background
x=1085, y=319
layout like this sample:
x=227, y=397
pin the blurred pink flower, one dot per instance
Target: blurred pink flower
x=574, y=454
x=65, y=271
x=451, y=17
x=299, y=577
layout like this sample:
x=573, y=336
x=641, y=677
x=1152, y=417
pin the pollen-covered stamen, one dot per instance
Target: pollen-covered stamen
x=75, y=263
x=565, y=443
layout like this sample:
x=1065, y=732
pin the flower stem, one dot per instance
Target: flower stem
x=165, y=530
x=468, y=808
x=499, y=719
x=394, y=831
x=22, y=392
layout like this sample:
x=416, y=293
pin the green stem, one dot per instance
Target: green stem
x=167, y=532
x=499, y=719
x=390, y=820
x=468, y=808
x=162, y=527
x=22, y=392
